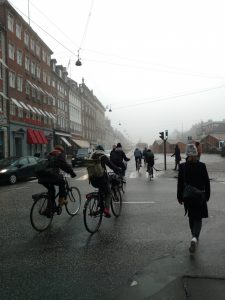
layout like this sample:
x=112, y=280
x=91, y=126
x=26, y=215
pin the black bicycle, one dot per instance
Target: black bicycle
x=95, y=204
x=150, y=171
x=44, y=209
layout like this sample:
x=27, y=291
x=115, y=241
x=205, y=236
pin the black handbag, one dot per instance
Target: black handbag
x=192, y=196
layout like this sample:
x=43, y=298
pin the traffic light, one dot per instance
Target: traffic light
x=166, y=132
x=161, y=135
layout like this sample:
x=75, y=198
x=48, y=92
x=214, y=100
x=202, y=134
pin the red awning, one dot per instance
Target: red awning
x=38, y=137
x=31, y=138
x=45, y=141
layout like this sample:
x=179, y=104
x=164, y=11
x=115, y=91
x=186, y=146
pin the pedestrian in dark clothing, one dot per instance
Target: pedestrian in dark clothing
x=177, y=157
x=119, y=158
x=199, y=150
x=137, y=156
x=51, y=175
x=194, y=173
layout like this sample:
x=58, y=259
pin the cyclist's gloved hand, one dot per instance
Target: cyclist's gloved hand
x=119, y=171
x=73, y=175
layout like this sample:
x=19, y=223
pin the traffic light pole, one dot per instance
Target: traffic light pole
x=164, y=144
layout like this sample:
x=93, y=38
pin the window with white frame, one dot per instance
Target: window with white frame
x=27, y=63
x=32, y=44
x=48, y=59
x=33, y=68
x=11, y=48
x=26, y=39
x=10, y=22
x=38, y=72
x=43, y=55
x=19, y=83
x=18, y=30
x=20, y=112
x=38, y=50
x=49, y=80
x=44, y=76
x=19, y=57
x=12, y=109
x=53, y=101
x=1, y=71
x=33, y=92
x=27, y=87
x=12, y=79
x=53, y=83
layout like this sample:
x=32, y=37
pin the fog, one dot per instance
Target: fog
x=158, y=64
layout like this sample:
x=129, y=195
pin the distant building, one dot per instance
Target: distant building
x=212, y=143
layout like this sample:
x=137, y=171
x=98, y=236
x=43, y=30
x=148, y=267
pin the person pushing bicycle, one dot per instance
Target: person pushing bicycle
x=50, y=176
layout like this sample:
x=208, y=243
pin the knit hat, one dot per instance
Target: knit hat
x=191, y=150
x=119, y=145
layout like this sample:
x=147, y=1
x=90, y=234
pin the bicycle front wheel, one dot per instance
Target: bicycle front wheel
x=41, y=214
x=116, y=202
x=92, y=214
x=74, y=201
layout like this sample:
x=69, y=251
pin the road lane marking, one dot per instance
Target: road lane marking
x=136, y=202
x=84, y=177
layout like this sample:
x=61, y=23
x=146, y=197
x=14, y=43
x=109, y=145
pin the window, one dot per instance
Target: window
x=12, y=79
x=49, y=80
x=27, y=88
x=27, y=63
x=11, y=51
x=33, y=92
x=1, y=71
x=32, y=44
x=26, y=39
x=12, y=109
x=38, y=50
x=18, y=30
x=48, y=59
x=38, y=72
x=10, y=22
x=19, y=57
x=44, y=76
x=43, y=55
x=33, y=68
x=20, y=112
x=53, y=83
x=19, y=83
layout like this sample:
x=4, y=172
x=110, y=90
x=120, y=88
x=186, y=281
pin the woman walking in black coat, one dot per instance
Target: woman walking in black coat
x=194, y=173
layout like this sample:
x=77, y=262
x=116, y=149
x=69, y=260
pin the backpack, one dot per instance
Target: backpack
x=94, y=167
x=43, y=167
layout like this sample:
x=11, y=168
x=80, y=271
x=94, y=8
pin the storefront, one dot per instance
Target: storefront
x=64, y=139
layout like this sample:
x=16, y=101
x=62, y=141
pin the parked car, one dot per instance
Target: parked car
x=17, y=168
x=79, y=156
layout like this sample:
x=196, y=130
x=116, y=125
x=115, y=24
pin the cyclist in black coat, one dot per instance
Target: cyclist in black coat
x=52, y=176
x=118, y=157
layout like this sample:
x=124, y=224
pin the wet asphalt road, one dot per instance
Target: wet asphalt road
x=65, y=262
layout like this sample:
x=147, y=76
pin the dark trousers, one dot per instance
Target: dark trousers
x=50, y=184
x=136, y=160
x=195, y=226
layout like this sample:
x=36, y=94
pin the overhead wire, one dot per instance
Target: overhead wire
x=174, y=70
x=159, y=99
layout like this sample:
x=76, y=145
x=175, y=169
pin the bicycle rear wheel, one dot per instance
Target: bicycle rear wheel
x=116, y=202
x=74, y=201
x=41, y=214
x=92, y=214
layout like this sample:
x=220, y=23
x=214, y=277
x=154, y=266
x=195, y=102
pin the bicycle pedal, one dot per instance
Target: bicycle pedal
x=59, y=210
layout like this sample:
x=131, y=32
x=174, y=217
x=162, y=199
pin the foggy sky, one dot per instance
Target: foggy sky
x=159, y=64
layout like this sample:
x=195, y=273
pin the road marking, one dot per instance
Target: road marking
x=136, y=202
x=84, y=177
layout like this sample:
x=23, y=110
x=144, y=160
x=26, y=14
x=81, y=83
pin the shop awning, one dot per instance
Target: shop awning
x=31, y=138
x=24, y=105
x=3, y=95
x=45, y=141
x=38, y=137
x=17, y=103
x=31, y=108
x=81, y=143
x=65, y=141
